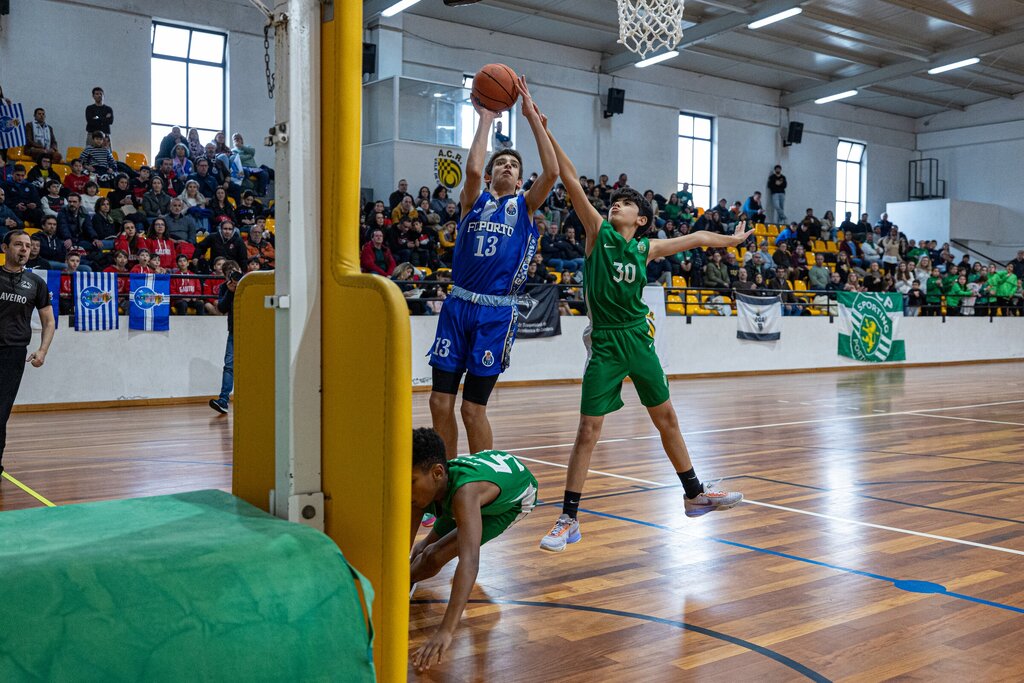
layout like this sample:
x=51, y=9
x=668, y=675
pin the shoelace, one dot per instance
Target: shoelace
x=713, y=486
x=560, y=526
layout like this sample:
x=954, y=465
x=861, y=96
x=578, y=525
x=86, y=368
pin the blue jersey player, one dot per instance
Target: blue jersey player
x=495, y=242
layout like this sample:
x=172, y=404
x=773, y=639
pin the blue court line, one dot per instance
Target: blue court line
x=912, y=586
x=754, y=647
x=886, y=500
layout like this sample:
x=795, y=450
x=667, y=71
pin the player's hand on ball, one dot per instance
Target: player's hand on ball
x=432, y=650
x=483, y=111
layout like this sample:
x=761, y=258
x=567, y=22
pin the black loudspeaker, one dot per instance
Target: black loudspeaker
x=795, y=133
x=616, y=102
x=5, y=7
x=369, y=58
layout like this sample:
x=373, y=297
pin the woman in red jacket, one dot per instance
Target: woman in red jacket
x=375, y=257
x=161, y=247
x=130, y=240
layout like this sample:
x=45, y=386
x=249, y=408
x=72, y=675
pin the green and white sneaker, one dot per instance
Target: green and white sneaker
x=711, y=499
x=566, y=530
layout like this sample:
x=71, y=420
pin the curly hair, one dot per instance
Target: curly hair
x=427, y=449
x=643, y=207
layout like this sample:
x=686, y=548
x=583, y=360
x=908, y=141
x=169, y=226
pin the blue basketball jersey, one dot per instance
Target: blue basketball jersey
x=494, y=245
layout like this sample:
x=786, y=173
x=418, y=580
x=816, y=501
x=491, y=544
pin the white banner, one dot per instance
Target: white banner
x=758, y=318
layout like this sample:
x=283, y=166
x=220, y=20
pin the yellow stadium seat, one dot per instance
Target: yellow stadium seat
x=700, y=211
x=73, y=153
x=104, y=191
x=3, y=259
x=831, y=247
x=771, y=248
x=799, y=286
x=18, y=154
x=27, y=165
x=558, y=277
x=678, y=281
x=773, y=230
x=31, y=231
x=426, y=271
x=675, y=309
x=136, y=160
x=810, y=258
x=62, y=170
x=115, y=155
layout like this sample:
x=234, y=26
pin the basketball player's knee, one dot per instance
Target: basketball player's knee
x=473, y=413
x=589, y=430
x=441, y=403
x=666, y=420
x=433, y=561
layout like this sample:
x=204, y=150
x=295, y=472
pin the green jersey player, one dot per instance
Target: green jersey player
x=476, y=498
x=620, y=342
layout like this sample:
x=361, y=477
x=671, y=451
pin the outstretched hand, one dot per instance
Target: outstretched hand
x=530, y=108
x=741, y=233
x=432, y=651
x=484, y=113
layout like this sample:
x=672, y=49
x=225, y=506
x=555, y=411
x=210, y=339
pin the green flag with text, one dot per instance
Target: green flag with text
x=869, y=326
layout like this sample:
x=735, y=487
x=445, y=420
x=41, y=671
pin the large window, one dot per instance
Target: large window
x=469, y=119
x=849, y=179
x=188, y=86
x=695, y=157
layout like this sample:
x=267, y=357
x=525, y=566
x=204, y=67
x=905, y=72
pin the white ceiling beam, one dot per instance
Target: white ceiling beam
x=847, y=22
x=974, y=87
x=875, y=44
x=838, y=53
x=730, y=56
x=914, y=97
x=893, y=71
x=943, y=13
x=705, y=30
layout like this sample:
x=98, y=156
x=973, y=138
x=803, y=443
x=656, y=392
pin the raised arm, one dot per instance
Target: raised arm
x=701, y=238
x=476, y=160
x=541, y=188
x=588, y=215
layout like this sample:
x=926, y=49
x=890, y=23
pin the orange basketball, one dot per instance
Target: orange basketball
x=495, y=87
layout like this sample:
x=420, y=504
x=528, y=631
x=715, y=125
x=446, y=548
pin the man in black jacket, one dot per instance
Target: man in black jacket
x=226, y=242
x=226, y=305
x=777, y=189
x=98, y=116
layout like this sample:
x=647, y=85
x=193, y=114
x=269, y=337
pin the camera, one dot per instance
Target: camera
x=235, y=276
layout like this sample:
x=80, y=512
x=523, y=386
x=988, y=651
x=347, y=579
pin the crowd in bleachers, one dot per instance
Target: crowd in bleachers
x=196, y=207
x=410, y=239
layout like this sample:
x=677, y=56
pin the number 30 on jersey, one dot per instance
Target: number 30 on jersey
x=625, y=273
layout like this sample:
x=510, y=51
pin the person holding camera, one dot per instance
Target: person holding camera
x=226, y=305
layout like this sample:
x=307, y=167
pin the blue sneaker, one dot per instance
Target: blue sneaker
x=565, y=531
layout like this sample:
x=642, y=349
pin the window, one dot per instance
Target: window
x=695, y=157
x=469, y=118
x=187, y=81
x=849, y=179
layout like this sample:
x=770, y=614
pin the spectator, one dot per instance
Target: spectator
x=195, y=205
x=180, y=163
x=777, y=188
x=96, y=157
x=120, y=266
x=622, y=182
x=501, y=141
x=684, y=195
x=8, y=219
x=803, y=236
x=716, y=275
x=819, y=274
x=1002, y=284
x=67, y=279
x=51, y=202
x=260, y=248
x=864, y=226
x=89, y=199
x=75, y=180
x=731, y=266
x=225, y=304
x=173, y=185
x=231, y=167
x=98, y=116
x=558, y=204
x=445, y=239
x=74, y=226
x=186, y=289
x=779, y=283
x=828, y=226
x=421, y=196
x=220, y=207
x=890, y=247
x=23, y=199
x=36, y=261
x=404, y=210
x=144, y=262
x=141, y=183
x=923, y=272
x=206, y=181
x=783, y=258
x=659, y=271
x=211, y=286
x=672, y=209
x=220, y=147
x=915, y=299
x=813, y=224
x=852, y=251
x=873, y=278
x=870, y=249
x=104, y=227
x=130, y=240
x=754, y=209
x=161, y=244
x=42, y=173
x=51, y=246
x=1016, y=266
x=743, y=282
x=571, y=251
x=375, y=256
x=196, y=151
x=758, y=265
x=247, y=157
x=933, y=293
x=439, y=200
x=40, y=138
x=248, y=209
x=884, y=224
x=226, y=242
x=156, y=202
x=849, y=228
x=956, y=292
x=168, y=143
x=396, y=197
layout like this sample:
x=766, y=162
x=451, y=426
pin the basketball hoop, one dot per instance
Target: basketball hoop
x=650, y=25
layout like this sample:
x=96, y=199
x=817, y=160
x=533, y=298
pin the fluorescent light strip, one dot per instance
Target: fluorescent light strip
x=657, y=58
x=833, y=98
x=791, y=12
x=398, y=7
x=954, y=65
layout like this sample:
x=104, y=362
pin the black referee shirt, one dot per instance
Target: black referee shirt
x=20, y=294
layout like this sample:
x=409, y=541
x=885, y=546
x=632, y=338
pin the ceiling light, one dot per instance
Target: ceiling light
x=954, y=65
x=657, y=58
x=833, y=98
x=398, y=7
x=791, y=12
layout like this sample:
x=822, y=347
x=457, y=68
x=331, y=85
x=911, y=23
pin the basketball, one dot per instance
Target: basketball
x=495, y=87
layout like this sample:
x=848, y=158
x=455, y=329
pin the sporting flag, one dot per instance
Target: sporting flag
x=149, y=306
x=869, y=324
x=52, y=280
x=758, y=318
x=12, y=125
x=95, y=301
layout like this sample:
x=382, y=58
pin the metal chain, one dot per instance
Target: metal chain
x=271, y=77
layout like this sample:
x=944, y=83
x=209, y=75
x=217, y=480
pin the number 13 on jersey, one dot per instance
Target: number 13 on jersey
x=486, y=245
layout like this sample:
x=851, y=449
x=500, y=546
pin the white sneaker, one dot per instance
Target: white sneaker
x=566, y=530
x=711, y=499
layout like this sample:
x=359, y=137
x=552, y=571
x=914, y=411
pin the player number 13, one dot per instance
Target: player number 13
x=627, y=272
x=486, y=245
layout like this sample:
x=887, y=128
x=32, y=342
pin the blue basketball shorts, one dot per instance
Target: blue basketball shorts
x=475, y=338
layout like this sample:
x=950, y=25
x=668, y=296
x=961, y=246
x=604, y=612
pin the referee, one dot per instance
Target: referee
x=20, y=293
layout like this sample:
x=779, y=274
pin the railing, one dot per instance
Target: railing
x=978, y=253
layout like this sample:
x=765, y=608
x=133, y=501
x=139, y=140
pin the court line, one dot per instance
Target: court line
x=857, y=522
x=910, y=586
x=718, y=635
x=971, y=419
x=7, y=475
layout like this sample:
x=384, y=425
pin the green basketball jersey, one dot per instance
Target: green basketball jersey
x=518, y=485
x=614, y=277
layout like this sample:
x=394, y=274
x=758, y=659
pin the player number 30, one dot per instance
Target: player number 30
x=627, y=272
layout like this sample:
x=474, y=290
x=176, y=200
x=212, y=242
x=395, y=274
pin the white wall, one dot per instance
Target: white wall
x=709, y=344
x=642, y=141
x=986, y=228
x=53, y=52
x=126, y=364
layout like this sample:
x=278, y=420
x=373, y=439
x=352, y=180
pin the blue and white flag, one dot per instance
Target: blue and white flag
x=149, y=306
x=95, y=301
x=52, y=280
x=12, y=125
x=758, y=318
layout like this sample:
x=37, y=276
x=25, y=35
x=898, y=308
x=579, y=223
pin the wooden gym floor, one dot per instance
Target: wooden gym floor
x=882, y=537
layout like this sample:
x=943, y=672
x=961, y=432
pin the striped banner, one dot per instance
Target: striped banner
x=869, y=326
x=149, y=307
x=12, y=125
x=95, y=301
x=52, y=280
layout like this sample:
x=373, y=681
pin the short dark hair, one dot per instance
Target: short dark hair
x=229, y=266
x=505, y=152
x=18, y=168
x=643, y=206
x=97, y=88
x=427, y=449
x=9, y=237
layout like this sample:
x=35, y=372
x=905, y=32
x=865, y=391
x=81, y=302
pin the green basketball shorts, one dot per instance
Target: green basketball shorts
x=614, y=355
x=493, y=525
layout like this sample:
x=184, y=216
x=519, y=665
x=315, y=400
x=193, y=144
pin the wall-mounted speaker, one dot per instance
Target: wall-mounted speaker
x=795, y=133
x=369, y=58
x=616, y=102
x=5, y=6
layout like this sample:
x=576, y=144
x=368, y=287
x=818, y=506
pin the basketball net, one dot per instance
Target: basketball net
x=649, y=25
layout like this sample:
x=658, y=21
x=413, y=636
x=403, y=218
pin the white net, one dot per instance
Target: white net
x=647, y=26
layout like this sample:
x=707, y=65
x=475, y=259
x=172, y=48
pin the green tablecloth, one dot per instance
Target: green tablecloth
x=196, y=586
